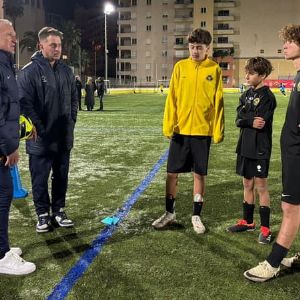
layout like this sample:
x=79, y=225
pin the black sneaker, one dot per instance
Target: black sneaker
x=241, y=226
x=43, y=224
x=61, y=219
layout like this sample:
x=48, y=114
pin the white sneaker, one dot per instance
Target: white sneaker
x=290, y=261
x=166, y=219
x=263, y=272
x=16, y=250
x=13, y=264
x=198, y=225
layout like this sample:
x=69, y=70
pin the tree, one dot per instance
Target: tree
x=13, y=9
x=29, y=41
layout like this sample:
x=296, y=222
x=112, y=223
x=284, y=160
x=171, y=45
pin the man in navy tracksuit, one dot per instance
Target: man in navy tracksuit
x=48, y=96
x=10, y=260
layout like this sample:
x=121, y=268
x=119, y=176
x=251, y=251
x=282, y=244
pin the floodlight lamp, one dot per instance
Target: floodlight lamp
x=108, y=8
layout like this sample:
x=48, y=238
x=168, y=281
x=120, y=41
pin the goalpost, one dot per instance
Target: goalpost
x=107, y=86
x=161, y=85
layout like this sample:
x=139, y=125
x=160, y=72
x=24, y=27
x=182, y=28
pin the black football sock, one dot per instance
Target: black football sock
x=264, y=212
x=198, y=203
x=277, y=254
x=170, y=204
x=248, y=210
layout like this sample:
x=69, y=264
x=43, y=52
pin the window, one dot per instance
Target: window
x=148, y=53
x=133, y=78
x=164, y=39
x=165, y=27
x=179, y=41
x=203, y=10
x=203, y=24
x=148, y=78
x=223, y=13
x=223, y=26
x=165, y=15
x=148, y=2
x=279, y=51
x=133, y=3
x=164, y=77
x=148, y=66
x=261, y=51
x=224, y=65
x=133, y=41
x=223, y=39
x=148, y=28
x=164, y=53
x=225, y=79
x=164, y=2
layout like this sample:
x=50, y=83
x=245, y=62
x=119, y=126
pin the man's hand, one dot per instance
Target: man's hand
x=33, y=134
x=12, y=159
x=258, y=123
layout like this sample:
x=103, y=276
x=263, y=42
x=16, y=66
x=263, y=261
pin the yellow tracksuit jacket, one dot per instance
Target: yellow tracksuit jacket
x=194, y=105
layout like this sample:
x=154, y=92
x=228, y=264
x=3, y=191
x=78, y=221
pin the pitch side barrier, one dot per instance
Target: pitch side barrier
x=126, y=91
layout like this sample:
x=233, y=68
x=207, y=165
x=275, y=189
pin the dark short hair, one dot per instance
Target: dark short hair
x=200, y=36
x=259, y=65
x=290, y=33
x=47, y=31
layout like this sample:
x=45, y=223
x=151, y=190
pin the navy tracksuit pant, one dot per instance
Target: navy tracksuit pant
x=40, y=168
x=6, y=194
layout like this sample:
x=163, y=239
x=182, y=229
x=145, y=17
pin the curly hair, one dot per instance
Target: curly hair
x=199, y=36
x=259, y=65
x=290, y=33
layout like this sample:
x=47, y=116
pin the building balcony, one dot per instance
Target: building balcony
x=182, y=31
x=223, y=31
x=183, y=19
x=223, y=45
x=223, y=18
x=180, y=46
x=225, y=4
x=124, y=21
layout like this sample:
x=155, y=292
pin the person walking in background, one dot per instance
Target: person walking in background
x=290, y=149
x=10, y=260
x=78, y=87
x=254, y=118
x=89, y=94
x=48, y=96
x=100, y=91
x=194, y=113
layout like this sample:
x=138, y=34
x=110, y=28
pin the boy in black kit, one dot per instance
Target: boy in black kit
x=255, y=117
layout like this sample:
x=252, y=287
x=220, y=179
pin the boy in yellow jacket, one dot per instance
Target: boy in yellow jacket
x=193, y=114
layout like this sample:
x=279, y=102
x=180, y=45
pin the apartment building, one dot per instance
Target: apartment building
x=1, y=9
x=152, y=35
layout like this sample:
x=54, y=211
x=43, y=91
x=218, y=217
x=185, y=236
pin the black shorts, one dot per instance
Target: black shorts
x=188, y=153
x=250, y=168
x=290, y=180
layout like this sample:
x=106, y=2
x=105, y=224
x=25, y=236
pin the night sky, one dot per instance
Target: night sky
x=66, y=7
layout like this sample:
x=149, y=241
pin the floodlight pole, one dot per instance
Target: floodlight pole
x=108, y=9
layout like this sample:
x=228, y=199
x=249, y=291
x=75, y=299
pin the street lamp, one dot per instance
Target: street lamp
x=108, y=9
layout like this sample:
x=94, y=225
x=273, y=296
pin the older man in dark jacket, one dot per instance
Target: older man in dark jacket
x=10, y=261
x=48, y=96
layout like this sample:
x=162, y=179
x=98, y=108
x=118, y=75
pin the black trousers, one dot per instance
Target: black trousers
x=40, y=168
x=6, y=195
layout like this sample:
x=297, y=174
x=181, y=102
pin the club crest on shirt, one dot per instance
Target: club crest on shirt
x=256, y=101
x=44, y=79
x=209, y=78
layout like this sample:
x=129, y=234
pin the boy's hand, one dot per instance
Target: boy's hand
x=12, y=159
x=258, y=123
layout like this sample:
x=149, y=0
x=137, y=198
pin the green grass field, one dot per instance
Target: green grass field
x=114, y=151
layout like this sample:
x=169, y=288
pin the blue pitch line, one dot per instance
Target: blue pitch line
x=62, y=289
